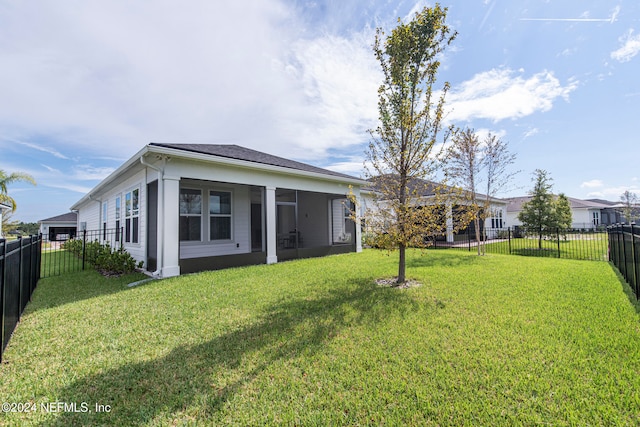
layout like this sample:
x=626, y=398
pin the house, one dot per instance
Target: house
x=193, y=207
x=427, y=193
x=3, y=207
x=59, y=227
x=586, y=214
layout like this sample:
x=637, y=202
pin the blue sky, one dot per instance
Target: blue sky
x=85, y=84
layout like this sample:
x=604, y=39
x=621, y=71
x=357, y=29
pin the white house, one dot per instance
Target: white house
x=3, y=207
x=59, y=227
x=584, y=213
x=425, y=192
x=192, y=207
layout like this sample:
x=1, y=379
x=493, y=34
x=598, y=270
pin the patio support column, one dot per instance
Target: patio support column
x=358, y=222
x=449, y=209
x=270, y=210
x=170, y=227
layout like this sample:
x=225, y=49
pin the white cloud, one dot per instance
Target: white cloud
x=594, y=183
x=613, y=193
x=630, y=47
x=109, y=77
x=501, y=94
x=530, y=132
x=48, y=150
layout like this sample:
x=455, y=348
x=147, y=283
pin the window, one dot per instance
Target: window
x=596, y=218
x=117, y=219
x=219, y=215
x=496, y=219
x=131, y=216
x=340, y=215
x=104, y=220
x=190, y=215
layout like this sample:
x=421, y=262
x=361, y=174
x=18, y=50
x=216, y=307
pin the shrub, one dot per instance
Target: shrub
x=103, y=257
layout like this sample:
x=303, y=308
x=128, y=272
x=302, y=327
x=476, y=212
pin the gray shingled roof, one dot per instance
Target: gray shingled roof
x=67, y=217
x=241, y=153
x=515, y=203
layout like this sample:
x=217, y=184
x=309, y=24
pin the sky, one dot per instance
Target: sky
x=85, y=84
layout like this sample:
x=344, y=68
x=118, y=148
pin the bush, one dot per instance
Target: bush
x=103, y=257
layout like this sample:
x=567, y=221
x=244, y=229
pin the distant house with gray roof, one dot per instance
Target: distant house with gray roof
x=586, y=214
x=192, y=207
x=59, y=227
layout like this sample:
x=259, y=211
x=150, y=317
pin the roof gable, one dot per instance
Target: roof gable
x=66, y=217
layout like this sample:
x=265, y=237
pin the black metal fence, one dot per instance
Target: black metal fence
x=624, y=245
x=20, y=268
x=60, y=257
x=581, y=244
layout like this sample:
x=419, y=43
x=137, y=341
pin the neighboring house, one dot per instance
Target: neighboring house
x=585, y=213
x=193, y=207
x=60, y=227
x=3, y=207
x=426, y=192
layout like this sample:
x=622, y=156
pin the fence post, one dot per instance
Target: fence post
x=20, y=278
x=84, y=247
x=3, y=280
x=558, y=237
x=635, y=261
x=509, y=237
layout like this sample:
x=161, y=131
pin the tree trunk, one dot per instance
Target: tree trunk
x=476, y=224
x=402, y=264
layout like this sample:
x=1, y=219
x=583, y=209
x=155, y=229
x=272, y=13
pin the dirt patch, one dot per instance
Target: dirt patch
x=392, y=282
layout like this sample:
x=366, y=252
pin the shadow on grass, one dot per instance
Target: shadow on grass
x=626, y=288
x=210, y=374
x=77, y=286
x=432, y=258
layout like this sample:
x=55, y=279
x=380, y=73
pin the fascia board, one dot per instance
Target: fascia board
x=208, y=158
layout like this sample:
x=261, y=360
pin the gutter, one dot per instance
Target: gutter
x=159, y=234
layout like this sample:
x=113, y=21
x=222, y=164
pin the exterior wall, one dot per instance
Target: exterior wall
x=240, y=242
x=90, y=213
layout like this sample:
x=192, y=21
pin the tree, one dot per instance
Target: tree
x=6, y=179
x=469, y=162
x=545, y=213
x=629, y=206
x=564, y=218
x=410, y=116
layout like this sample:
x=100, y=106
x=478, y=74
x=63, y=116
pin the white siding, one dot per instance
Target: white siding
x=240, y=222
x=91, y=211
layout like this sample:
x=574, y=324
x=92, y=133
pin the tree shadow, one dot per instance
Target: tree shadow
x=211, y=373
x=626, y=288
x=440, y=259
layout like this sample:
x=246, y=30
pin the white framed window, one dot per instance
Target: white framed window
x=496, y=219
x=117, y=218
x=132, y=216
x=220, y=217
x=190, y=214
x=596, y=218
x=340, y=217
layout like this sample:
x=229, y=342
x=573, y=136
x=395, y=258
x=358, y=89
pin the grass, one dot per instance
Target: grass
x=492, y=340
x=587, y=247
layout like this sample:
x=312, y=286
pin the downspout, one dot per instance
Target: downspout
x=160, y=235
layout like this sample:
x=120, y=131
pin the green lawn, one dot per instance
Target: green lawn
x=589, y=246
x=493, y=340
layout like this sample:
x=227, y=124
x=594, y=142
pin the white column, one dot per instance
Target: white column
x=358, y=221
x=170, y=227
x=449, y=209
x=270, y=210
